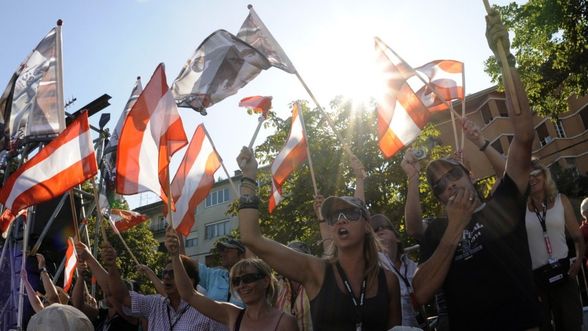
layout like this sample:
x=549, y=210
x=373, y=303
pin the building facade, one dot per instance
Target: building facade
x=563, y=141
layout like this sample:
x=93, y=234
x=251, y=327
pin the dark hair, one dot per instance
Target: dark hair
x=191, y=269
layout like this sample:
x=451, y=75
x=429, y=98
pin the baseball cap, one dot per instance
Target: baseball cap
x=333, y=204
x=59, y=317
x=230, y=242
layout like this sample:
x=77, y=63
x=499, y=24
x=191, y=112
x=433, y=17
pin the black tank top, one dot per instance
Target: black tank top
x=332, y=309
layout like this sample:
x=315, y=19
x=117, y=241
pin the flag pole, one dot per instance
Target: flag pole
x=127, y=246
x=506, y=76
x=307, y=149
x=74, y=215
x=59, y=73
x=454, y=128
x=222, y=163
x=25, y=243
x=463, y=105
x=260, y=120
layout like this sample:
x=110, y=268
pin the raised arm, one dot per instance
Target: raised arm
x=221, y=312
x=118, y=289
x=150, y=274
x=413, y=215
x=305, y=269
x=519, y=155
x=50, y=289
x=573, y=230
x=473, y=133
x=359, y=172
x=325, y=231
x=431, y=274
x=34, y=299
x=79, y=293
x=85, y=256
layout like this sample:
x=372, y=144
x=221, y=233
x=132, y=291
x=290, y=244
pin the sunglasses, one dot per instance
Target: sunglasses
x=452, y=175
x=168, y=272
x=350, y=214
x=247, y=278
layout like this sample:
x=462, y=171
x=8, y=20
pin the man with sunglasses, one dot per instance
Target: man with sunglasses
x=216, y=280
x=478, y=255
x=167, y=312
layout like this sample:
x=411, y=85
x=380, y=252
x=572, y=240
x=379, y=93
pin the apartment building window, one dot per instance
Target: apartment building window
x=543, y=134
x=486, y=114
x=502, y=110
x=192, y=242
x=498, y=146
x=584, y=117
x=560, y=129
x=217, y=197
x=217, y=229
x=159, y=224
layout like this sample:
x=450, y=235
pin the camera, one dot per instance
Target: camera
x=419, y=153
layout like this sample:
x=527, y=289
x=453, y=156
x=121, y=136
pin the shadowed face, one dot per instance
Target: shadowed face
x=450, y=179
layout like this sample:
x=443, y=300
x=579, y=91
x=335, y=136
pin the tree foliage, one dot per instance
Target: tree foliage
x=551, y=47
x=385, y=185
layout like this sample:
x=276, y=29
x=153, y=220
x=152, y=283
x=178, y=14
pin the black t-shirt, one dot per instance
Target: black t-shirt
x=489, y=285
x=116, y=323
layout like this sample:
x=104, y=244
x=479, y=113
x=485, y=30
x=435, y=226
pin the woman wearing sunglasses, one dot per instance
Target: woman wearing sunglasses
x=348, y=290
x=251, y=279
x=549, y=216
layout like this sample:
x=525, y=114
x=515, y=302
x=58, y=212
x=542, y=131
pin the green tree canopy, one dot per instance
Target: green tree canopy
x=551, y=47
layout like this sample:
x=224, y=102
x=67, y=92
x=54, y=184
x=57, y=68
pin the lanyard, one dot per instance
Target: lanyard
x=542, y=217
x=358, y=307
x=171, y=325
x=405, y=277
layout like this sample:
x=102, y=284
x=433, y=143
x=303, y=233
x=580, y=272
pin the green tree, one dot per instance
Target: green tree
x=550, y=44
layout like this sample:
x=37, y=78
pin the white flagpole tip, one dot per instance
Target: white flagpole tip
x=138, y=77
x=59, y=22
x=249, y=6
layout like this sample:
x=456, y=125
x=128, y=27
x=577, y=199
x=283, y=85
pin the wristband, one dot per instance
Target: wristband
x=247, y=201
x=321, y=220
x=43, y=270
x=248, y=180
x=486, y=143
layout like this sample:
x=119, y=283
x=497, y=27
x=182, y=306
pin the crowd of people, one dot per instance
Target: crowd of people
x=495, y=263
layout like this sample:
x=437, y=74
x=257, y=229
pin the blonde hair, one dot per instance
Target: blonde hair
x=549, y=187
x=261, y=267
x=371, y=247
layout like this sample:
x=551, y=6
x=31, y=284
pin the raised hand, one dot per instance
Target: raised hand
x=460, y=207
x=318, y=202
x=357, y=167
x=40, y=261
x=83, y=251
x=247, y=162
x=108, y=255
x=172, y=242
x=472, y=132
x=496, y=33
x=410, y=164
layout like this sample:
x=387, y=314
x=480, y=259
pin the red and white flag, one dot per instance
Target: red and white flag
x=401, y=113
x=275, y=196
x=65, y=162
x=445, y=83
x=152, y=133
x=122, y=220
x=291, y=156
x=258, y=104
x=194, y=179
x=7, y=218
x=71, y=262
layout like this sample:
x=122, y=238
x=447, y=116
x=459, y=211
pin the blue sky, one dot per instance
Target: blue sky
x=107, y=44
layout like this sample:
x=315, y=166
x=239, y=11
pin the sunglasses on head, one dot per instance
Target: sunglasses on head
x=169, y=272
x=452, y=175
x=383, y=227
x=536, y=173
x=350, y=214
x=247, y=278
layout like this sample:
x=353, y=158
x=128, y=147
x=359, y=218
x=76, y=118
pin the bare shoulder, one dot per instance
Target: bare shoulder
x=287, y=323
